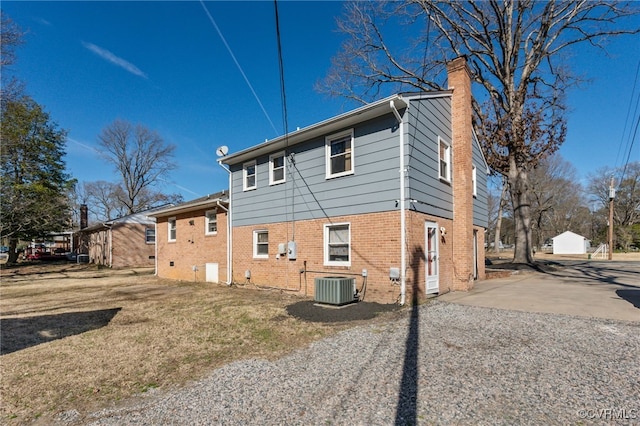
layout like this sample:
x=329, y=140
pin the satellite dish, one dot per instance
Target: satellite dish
x=222, y=151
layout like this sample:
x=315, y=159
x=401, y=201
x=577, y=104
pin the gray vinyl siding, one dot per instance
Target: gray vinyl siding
x=429, y=119
x=307, y=194
x=480, y=206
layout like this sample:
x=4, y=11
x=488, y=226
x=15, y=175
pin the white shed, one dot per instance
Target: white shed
x=570, y=243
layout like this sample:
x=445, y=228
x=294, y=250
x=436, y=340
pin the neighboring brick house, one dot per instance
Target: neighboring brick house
x=393, y=193
x=191, y=239
x=125, y=242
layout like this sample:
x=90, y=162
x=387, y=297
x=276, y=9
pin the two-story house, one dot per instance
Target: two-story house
x=392, y=193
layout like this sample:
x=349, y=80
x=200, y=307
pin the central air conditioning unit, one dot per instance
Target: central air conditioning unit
x=335, y=290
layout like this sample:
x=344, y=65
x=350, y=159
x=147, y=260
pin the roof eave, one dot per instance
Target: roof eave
x=350, y=118
x=189, y=208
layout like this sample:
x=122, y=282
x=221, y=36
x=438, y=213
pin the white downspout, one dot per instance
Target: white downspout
x=110, y=247
x=403, y=233
x=228, y=238
x=155, y=242
x=229, y=230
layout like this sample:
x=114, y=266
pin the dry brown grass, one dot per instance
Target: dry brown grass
x=77, y=337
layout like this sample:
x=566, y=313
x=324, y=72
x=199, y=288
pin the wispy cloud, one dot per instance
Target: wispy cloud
x=108, y=56
x=43, y=21
x=85, y=146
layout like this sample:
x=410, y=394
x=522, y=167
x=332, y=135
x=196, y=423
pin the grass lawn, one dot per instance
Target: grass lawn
x=77, y=337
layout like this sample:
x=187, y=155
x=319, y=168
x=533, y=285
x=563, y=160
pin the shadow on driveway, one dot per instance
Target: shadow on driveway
x=631, y=296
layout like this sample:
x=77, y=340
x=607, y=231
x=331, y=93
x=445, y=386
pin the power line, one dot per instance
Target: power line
x=632, y=136
x=283, y=94
x=255, y=95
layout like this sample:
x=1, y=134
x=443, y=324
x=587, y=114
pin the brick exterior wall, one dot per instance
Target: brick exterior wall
x=375, y=246
x=123, y=245
x=192, y=247
x=129, y=246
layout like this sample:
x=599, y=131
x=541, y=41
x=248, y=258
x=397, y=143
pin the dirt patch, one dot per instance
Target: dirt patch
x=309, y=310
x=75, y=337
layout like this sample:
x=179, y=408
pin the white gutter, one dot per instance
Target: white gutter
x=403, y=233
x=229, y=230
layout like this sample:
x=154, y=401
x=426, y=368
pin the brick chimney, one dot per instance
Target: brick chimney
x=84, y=216
x=459, y=78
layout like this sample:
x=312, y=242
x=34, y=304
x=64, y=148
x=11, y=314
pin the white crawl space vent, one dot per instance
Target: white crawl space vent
x=335, y=290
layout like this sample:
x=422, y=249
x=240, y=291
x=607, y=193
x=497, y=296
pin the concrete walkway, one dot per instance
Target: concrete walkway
x=598, y=289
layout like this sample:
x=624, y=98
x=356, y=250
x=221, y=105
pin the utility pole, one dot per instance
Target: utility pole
x=612, y=195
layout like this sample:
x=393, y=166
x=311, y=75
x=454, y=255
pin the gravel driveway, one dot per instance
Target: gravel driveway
x=442, y=364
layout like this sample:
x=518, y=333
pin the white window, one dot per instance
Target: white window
x=445, y=160
x=276, y=168
x=172, y=228
x=339, y=154
x=211, y=222
x=249, y=176
x=474, y=182
x=260, y=244
x=150, y=235
x=337, y=244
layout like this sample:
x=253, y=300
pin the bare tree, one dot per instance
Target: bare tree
x=103, y=200
x=557, y=200
x=141, y=158
x=515, y=50
x=626, y=211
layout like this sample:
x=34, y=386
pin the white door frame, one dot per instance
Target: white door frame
x=432, y=258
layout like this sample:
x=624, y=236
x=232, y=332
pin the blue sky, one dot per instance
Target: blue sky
x=166, y=66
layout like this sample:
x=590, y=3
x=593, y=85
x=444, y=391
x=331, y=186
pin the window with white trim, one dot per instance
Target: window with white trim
x=444, y=160
x=171, y=223
x=337, y=244
x=150, y=235
x=474, y=181
x=339, y=154
x=261, y=244
x=249, y=176
x=211, y=222
x=277, y=168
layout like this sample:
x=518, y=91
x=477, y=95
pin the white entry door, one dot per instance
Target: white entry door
x=432, y=258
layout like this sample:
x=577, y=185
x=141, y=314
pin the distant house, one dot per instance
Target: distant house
x=570, y=243
x=125, y=242
x=191, y=239
x=392, y=194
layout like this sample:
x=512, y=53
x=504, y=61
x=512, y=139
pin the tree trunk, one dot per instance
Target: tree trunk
x=501, y=203
x=519, y=189
x=13, y=255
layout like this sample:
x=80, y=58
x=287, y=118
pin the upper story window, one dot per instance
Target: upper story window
x=276, y=168
x=172, y=228
x=445, y=160
x=474, y=181
x=261, y=244
x=150, y=235
x=337, y=244
x=211, y=222
x=339, y=154
x=249, y=176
